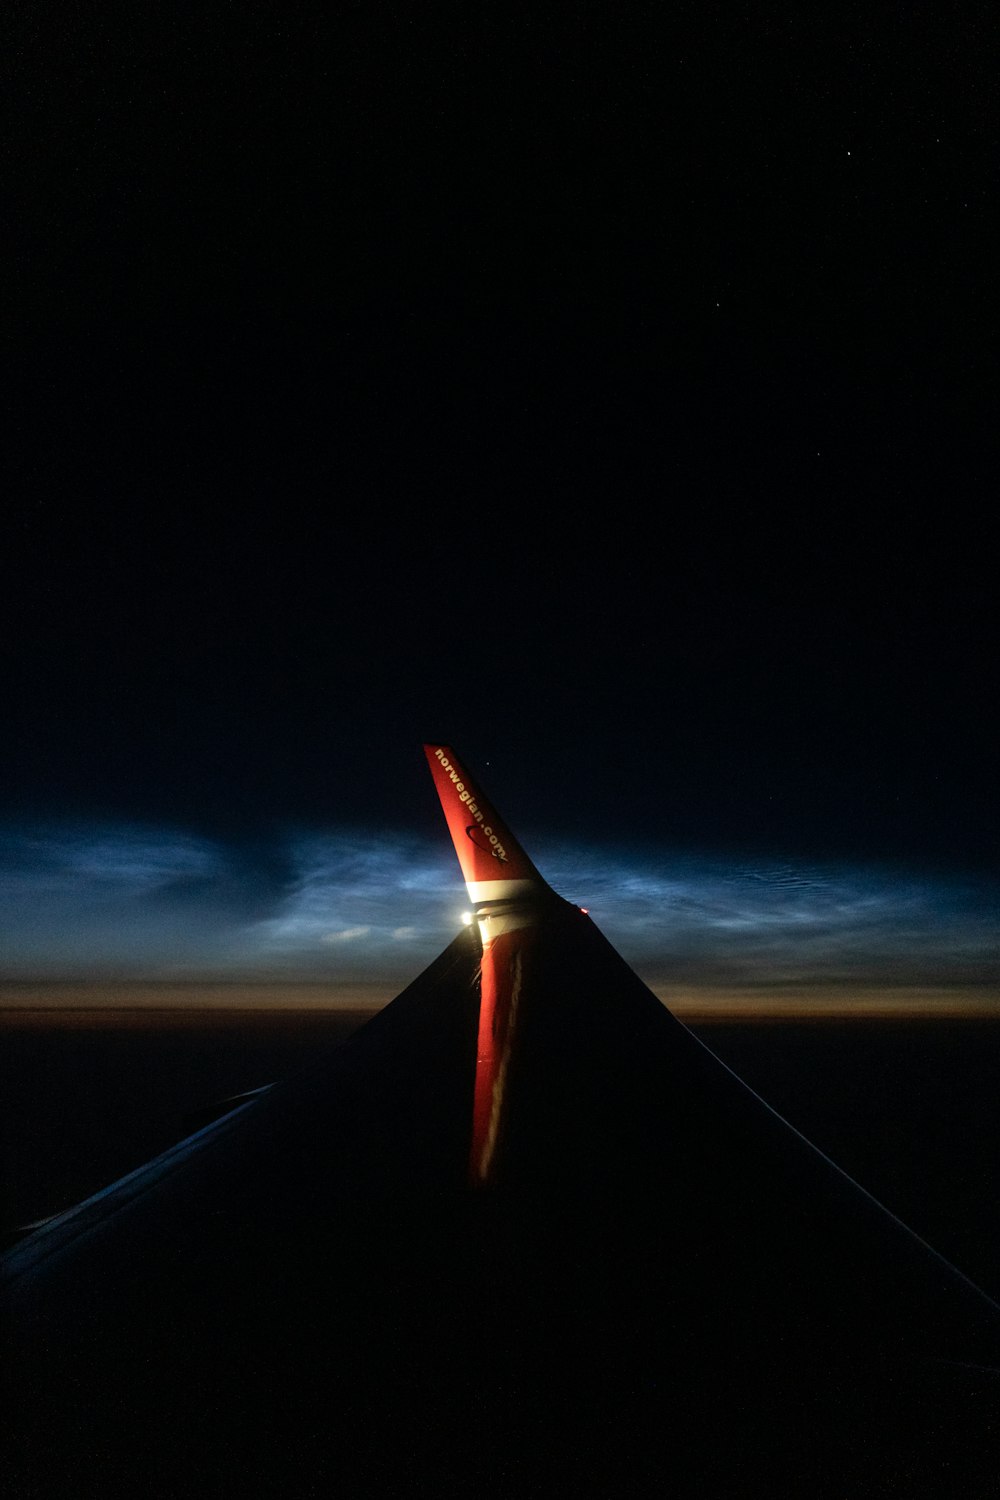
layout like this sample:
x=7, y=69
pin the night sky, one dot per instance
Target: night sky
x=609, y=392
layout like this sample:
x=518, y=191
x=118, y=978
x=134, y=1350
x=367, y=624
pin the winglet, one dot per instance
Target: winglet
x=493, y=863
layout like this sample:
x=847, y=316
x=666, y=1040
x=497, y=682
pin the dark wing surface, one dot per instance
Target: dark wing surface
x=523, y=1232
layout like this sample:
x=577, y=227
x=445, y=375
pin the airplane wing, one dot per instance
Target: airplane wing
x=522, y=1231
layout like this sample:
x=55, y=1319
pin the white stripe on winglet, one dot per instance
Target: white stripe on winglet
x=499, y=890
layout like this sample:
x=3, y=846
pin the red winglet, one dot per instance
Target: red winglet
x=494, y=865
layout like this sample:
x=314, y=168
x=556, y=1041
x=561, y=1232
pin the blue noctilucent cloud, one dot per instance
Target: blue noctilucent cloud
x=128, y=902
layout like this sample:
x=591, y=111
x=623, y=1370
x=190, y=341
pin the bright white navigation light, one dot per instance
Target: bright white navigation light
x=467, y=918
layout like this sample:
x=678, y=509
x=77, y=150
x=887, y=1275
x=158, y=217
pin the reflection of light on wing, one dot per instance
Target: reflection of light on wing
x=501, y=972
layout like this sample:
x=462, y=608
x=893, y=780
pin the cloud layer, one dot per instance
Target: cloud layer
x=100, y=901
